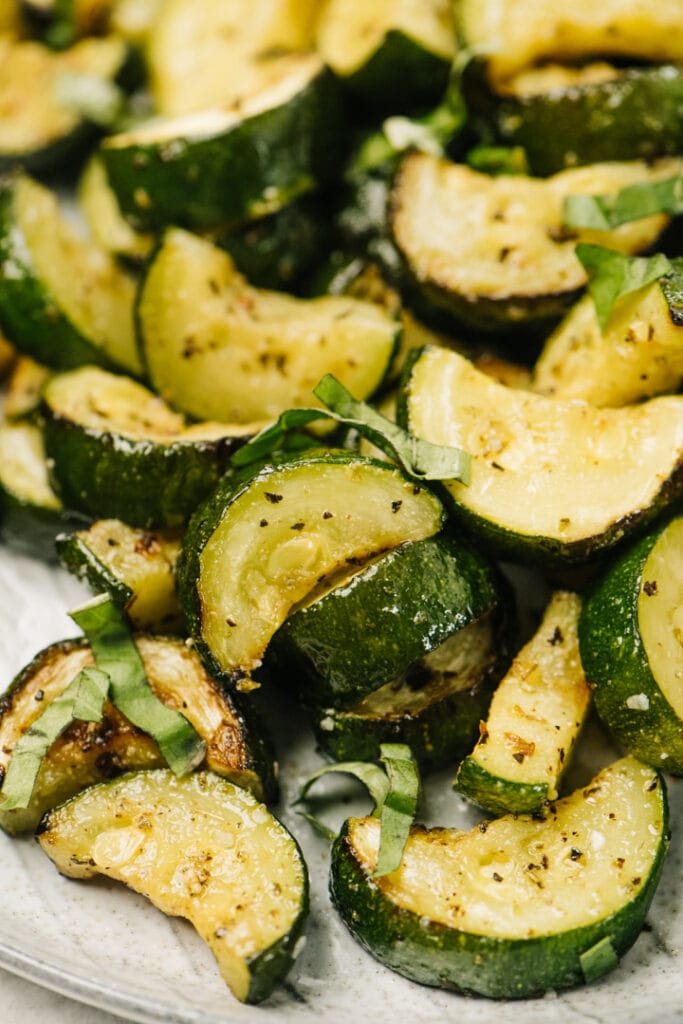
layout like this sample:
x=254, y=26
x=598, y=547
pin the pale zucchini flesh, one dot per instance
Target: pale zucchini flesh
x=197, y=847
x=660, y=614
x=218, y=348
x=550, y=479
x=536, y=714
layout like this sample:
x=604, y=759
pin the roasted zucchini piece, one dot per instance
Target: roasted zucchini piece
x=117, y=450
x=391, y=55
x=534, y=720
x=552, y=482
x=229, y=52
x=230, y=164
x=137, y=567
x=344, y=642
x=89, y=752
x=23, y=389
x=198, y=847
x=518, y=36
x=435, y=707
x=563, y=117
x=106, y=223
x=43, y=123
x=639, y=354
x=63, y=300
x=517, y=906
x=216, y=347
x=630, y=635
x=31, y=514
x=267, y=538
x=491, y=252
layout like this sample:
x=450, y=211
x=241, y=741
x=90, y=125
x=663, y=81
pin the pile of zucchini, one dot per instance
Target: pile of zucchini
x=308, y=340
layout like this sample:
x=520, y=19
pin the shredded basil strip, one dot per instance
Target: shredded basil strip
x=643, y=199
x=496, y=160
x=418, y=457
x=115, y=653
x=598, y=960
x=395, y=791
x=611, y=275
x=83, y=699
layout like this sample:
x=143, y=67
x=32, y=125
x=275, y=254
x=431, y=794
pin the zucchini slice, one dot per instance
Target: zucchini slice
x=214, y=54
x=517, y=36
x=198, y=847
x=517, y=906
x=534, y=720
x=630, y=635
x=392, y=55
x=229, y=164
x=63, y=300
x=342, y=644
x=266, y=539
x=118, y=451
x=23, y=388
x=638, y=355
x=107, y=225
x=563, y=117
x=40, y=124
x=435, y=707
x=491, y=252
x=89, y=752
x=552, y=482
x=31, y=514
x=137, y=567
x=216, y=347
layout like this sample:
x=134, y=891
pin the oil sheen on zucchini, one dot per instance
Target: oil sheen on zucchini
x=534, y=720
x=512, y=908
x=630, y=635
x=393, y=55
x=197, y=847
x=89, y=752
x=63, y=300
x=226, y=165
x=552, y=482
x=217, y=348
x=342, y=644
x=639, y=354
x=137, y=567
x=491, y=252
x=118, y=451
x=267, y=538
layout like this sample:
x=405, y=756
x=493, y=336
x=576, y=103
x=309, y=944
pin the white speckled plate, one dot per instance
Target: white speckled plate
x=103, y=945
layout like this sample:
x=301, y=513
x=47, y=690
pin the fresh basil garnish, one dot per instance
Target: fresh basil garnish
x=611, y=275
x=606, y=212
x=598, y=960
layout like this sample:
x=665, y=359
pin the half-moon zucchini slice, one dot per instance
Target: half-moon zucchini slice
x=198, y=847
x=517, y=906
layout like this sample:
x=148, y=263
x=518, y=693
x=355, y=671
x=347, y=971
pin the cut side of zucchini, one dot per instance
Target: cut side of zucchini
x=638, y=355
x=265, y=540
x=137, y=567
x=107, y=225
x=391, y=54
x=213, y=54
x=551, y=481
x=118, y=451
x=532, y=31
x=227, y=165
x=23, y=388
x=630, y=634
x=90, y=752
x=343, y=643
x=201, y=848
x=534, y=720
x=435, y=707
x=63, y=300
x=515, y=907
x=218, y=348
x=40, y=124
x=491, y=252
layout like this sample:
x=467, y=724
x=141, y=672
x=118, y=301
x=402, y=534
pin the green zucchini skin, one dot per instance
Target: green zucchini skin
x=249, y=170
x=617, y=666
x=362, y=635
x=638, y=115
x=499, y=795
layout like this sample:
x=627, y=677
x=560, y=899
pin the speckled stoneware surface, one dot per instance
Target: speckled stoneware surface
x=103, y=945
